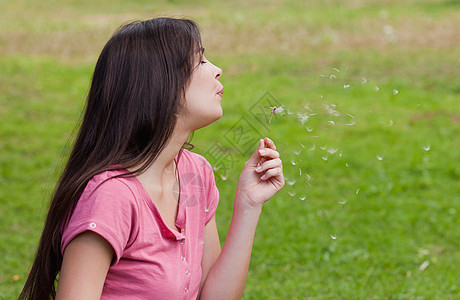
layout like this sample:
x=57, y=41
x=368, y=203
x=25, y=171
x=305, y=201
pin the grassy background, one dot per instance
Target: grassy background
x=392, y=236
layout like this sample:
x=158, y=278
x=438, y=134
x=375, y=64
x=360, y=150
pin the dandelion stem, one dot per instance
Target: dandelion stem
x=271, y=115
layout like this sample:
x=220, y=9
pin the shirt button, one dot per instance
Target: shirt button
x=186, y=290
x=187, y=272
x=182, y=258
x=182, y=241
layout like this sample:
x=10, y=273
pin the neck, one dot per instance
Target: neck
x=164, y=163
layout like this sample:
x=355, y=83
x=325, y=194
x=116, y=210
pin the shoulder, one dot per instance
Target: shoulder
x=106, y=185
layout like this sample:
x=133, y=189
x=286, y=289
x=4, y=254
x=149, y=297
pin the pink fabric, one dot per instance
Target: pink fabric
x=151, y=260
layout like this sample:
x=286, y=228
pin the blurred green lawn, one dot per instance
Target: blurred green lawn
x=379, y=214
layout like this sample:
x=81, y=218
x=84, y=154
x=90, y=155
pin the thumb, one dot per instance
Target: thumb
x=255, y=158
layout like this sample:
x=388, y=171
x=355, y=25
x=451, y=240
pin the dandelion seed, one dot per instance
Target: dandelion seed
x=391, y=123
x=302, y=145
x=291, y=182
x=352, y=123
x=308, y=177
x=346, y=165
x=323, y=75
x=332, y=76
x=340, y=154
x=307, y=107
x=314, y=136
x=293, y=163
x=297, y=152
x=346, y=86
x=342, y=202
x=351, y=116
x=302, y=118
x=335, y=69
x=309, y=129
x=312, y=147
x=330, y=109
x=332, y=123
x=321, y=96
x=364, y=80
x=377, y=89
x=379, y=157
x=332, y=151
x=395, y=92
x=223, y=177
x=424, y=265
x=313, y=114
x=324, y=147
x=357, y=191
x=302, y=198
x=426, y=148
x=300, y=171
x=292, y=194
x=324, y=158
x=333, y=237
x=216, y=168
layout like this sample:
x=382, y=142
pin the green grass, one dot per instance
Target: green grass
x=394, y=239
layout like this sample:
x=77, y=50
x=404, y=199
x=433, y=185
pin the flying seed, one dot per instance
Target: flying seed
x=351, y=116
x=293, y=163
x=332, y=150
x=332, y=76
x=297, y=153
x=357, y=191
x=364, y=81
x=223, y=177
x=342, y=202
x=377, y=89
x=424, y=265
x=302, y=198
x=379, y=157
x=302, y=145
x=346, y=164
x=291, y=182
x=391, y=123
x=426, y=148
x=324, y=158
x=292, y=194
x=324, y=147
x=395, y=92
x=346, y=86
x=312, y=147
x=352, y=123
x=333, y=237
x=335, y=69
x=309, y=129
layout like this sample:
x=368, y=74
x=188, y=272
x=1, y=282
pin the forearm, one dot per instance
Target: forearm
x=227, y=277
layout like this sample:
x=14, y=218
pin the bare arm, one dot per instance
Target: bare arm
x=84, y=267
x=227, y=277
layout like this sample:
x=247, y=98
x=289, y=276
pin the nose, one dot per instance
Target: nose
x=218, y=72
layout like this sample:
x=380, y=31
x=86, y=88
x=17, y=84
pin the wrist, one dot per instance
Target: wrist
x=244, y=204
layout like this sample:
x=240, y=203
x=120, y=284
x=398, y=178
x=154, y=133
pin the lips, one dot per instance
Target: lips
x=221, y=92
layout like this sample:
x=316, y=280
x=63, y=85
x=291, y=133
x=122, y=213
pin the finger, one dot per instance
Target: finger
x=269, y=164
x=269, y=143
x=256, y=157
x=276, y=172
x=268, y=153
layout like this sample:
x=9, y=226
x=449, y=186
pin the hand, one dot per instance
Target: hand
x=262, y=176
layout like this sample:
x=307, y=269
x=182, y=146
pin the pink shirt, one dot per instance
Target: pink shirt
x=152, y=261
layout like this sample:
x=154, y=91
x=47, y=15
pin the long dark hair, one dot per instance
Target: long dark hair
x=136, y=93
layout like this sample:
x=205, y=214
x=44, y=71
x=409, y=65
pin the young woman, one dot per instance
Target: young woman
x=132, y=216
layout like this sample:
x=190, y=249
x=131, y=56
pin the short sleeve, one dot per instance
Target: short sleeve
x=212, y=193
x=107, y=208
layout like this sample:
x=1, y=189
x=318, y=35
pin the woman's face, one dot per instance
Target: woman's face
x=203, y=95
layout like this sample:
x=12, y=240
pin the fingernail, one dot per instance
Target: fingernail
x=262, y=177
x=261, y=152
x=258, y=168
